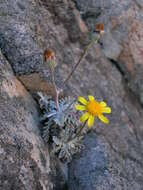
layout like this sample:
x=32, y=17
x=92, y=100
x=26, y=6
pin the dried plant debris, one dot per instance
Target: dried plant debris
x=60, y=126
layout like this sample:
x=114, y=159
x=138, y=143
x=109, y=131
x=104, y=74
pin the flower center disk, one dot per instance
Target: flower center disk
x=94, y=108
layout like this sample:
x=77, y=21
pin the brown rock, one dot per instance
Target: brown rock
x=35, y=83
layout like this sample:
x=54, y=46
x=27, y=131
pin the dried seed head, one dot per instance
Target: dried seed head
x=99, y=28
x=49, y=55
x=49, y=58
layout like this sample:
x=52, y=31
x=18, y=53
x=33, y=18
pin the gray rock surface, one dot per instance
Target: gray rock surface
x=121, y=139
x=93, y=160
x=24, y=161
x=28, y=27
x=17, y=38
x=123, y=40
x=112, y=158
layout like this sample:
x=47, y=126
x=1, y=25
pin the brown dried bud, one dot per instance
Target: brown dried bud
x=49, y=58
x=99, y=28
x=49, y=55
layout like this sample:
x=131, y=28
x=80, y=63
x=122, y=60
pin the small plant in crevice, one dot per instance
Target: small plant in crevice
x=62, y=125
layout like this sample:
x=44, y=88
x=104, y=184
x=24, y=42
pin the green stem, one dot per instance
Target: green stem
x=79, y=61
x=80, y=130
x=55, y=89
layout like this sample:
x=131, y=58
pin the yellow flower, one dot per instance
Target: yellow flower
x=92, y=109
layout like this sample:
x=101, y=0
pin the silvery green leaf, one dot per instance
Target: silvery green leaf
x=60, y=126
x=56, y=140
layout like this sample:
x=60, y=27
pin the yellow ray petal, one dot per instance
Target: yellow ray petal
x=103, y=104
x=91, y=98
x=80, y=107
x=82, y=100
x=90, y=121
x=106, y=110
x=103, y=119
x=84, y=117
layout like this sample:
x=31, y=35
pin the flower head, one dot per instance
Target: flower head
x=92, y=109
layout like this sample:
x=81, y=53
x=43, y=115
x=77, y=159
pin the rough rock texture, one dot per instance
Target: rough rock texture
x=112, y=158
x=24, y=161
x=27, y=27
x=123, y=40
x=122, y=139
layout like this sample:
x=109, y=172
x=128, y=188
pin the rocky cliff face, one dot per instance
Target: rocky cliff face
x=24, y=159
x=112, y=158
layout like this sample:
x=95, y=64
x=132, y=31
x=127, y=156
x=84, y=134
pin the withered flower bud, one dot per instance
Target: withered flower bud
x=99, y=28
x=49, y=57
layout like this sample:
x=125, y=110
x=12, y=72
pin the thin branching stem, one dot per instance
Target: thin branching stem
x=76, y=65
x=80, y=131
x=80, y=60
x=55, y=88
